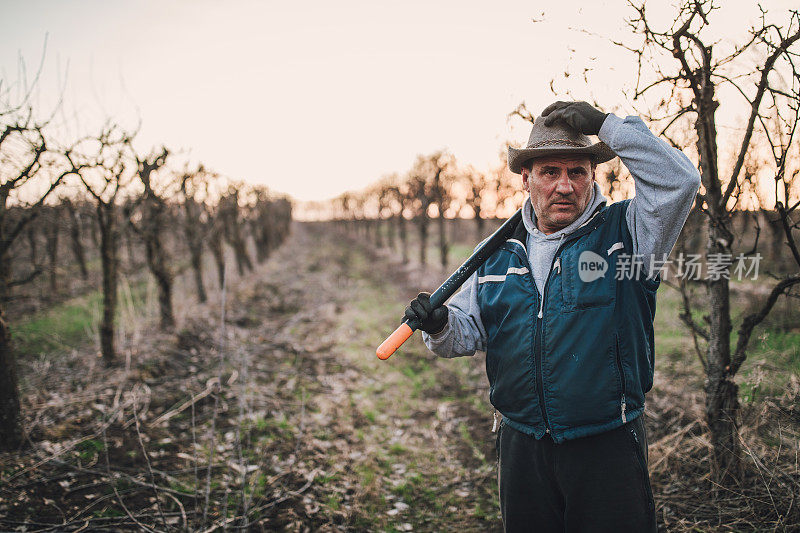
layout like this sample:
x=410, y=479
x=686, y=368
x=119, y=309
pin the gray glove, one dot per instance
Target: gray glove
x=430, y=320
x=580, y=116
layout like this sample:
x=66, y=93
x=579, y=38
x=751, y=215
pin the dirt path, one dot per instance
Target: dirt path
x=397, y=445
x=303, y=426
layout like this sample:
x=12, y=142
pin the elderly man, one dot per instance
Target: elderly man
x=568, y=340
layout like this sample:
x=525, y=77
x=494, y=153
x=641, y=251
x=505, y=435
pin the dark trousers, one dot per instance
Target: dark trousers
x=597, y=483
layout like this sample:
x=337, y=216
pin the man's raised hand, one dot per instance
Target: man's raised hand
x=580, y=116
x=430, y=320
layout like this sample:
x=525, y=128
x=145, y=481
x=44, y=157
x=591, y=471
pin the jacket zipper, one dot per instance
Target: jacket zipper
x=618, y=358
x=537, y=349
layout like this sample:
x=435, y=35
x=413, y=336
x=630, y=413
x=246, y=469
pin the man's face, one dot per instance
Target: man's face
x=560, y=189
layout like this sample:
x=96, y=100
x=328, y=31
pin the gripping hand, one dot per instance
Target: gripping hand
x=430, y=320
x=580, y=116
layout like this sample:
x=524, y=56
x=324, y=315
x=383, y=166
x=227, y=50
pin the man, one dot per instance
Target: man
x=569, y=341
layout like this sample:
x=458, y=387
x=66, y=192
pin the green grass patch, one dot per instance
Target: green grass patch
x=107, y=512
x=180, y=487
x=59, y=328
x=366, y=473
x=328, y=478
x=71, y=323
x=267, y=429
x=773, y=354
x=397, y=449
x=334, y=501
x=89, y=448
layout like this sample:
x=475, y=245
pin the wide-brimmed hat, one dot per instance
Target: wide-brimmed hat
x=557, y=139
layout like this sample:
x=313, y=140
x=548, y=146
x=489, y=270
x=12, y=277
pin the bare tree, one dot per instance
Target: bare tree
x=357, y=205
x=384, y=197
x=104, y=168
x=31, y=233
x=279, y=220
x=343, y=212
x=689, y=85
x=419, y=193
x=477, y=184
x=441, y=186
x=25, y=162
x=128, y=238
x=506, y=189
x=269, y=221
x=75, y=212
x=216, y=243
x=195, y=221
x=405, y=200
x=51, y=227
x=147, y=218
x=391, y=207
x=423, y=190
x=230, y=215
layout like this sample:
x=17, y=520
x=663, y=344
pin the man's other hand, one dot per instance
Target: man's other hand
x=580, y=116
x=430, y=320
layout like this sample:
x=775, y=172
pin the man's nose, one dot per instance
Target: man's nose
x=564, y=185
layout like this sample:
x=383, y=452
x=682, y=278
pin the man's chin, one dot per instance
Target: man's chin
x=564, y=218
x=563, y=212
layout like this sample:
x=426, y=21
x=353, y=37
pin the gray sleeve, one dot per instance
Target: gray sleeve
x=666, y=182
x=464, y=332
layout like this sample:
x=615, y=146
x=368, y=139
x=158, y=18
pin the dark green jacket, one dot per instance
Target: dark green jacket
x=582, y=364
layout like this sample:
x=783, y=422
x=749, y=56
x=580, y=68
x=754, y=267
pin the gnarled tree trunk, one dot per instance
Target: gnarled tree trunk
x=107, y=224
x=75, y=239
x=52, y=229
x=444, y=248
x=157, y=263
x=10, y=420
x=215, y=244
x=192, y=228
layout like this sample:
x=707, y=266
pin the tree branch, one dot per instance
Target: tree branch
x=27, y=279
x=754, y=110
x=752, y=320
x=33, y=209
x=788, y=231
x=686, y=317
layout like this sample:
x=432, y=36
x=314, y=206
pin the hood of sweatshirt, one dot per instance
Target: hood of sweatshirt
x=529, y=217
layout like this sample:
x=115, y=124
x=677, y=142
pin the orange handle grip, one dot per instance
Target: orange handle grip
x=394, y=341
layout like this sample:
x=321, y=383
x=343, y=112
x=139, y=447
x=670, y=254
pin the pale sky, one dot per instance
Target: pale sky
x=315, y=98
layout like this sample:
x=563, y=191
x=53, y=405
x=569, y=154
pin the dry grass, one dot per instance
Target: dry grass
x=687, y=499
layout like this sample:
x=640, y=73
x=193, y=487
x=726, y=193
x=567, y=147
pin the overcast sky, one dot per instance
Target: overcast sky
x=314, y=98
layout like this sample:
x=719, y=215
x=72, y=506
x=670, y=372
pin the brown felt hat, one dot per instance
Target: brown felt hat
x=558, y=139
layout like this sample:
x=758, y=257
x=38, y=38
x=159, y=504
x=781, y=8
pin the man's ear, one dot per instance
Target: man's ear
x=525, y=176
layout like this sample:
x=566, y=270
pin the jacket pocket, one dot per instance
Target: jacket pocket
x=588, y=279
